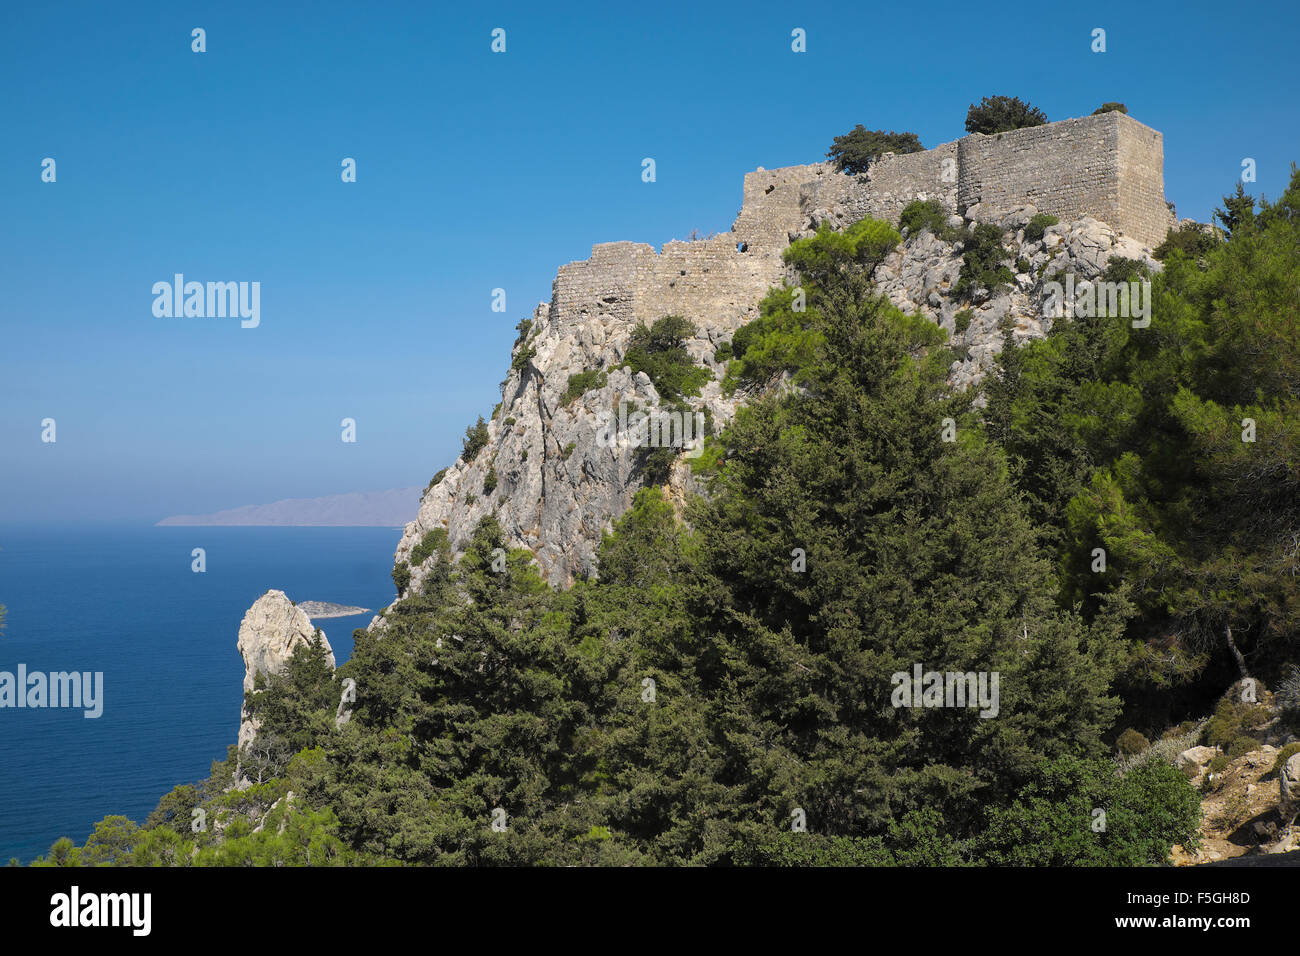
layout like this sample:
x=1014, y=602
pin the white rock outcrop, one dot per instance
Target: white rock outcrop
x=268, y=635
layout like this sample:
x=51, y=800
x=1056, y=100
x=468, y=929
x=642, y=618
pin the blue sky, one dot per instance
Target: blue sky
x=475, y=171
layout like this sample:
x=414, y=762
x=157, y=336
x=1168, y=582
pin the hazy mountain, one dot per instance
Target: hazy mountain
x=364, y=508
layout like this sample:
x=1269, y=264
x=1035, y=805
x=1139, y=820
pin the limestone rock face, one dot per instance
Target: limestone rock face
x=268, y=635
x=919, y=278
x=546, y=474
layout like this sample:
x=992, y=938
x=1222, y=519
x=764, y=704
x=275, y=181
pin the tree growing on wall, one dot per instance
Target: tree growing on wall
x=1001, y=114
x=1110, y=108
x=857, y=149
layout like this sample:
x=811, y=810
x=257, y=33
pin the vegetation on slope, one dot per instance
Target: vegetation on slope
x=731, y=675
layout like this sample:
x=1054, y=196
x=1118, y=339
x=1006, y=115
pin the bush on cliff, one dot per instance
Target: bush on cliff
x=1038, y=225
x=983, y=263
x=928, y=214
x=476, y=439
x=660, y=353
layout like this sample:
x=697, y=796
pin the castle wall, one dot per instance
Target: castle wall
x=1068, y=169
x=898, y=179
x=1107, y=166
x=773, y=203
x=1143, y=212
x=602, y=285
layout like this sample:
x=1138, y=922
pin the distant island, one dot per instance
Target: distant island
x=317, y=610
x=380, y=509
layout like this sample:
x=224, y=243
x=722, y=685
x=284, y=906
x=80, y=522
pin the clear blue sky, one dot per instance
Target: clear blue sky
x=475, y=171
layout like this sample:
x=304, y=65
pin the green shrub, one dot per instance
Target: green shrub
x=1131, y=742
x=1241, y=746
x=658, y=351
x=1037, y=226
x=1148, y=810
x=830, y=255
x=401, y=577
x=1232, y=717
x=723, y=352
x=583, y=382
x=1001, y=114
x=961, y=321
x=928, y=214
x=982, y=262
x=1285, y=754
x=490, y=480
x=1110, y=108
x=510, y=421
x=568, y=450
x=476, y=439
x=1121, y=269
x=521, y=360
x=525, y=327
x=1190, y=240
x=432, y=541
x=855, y=151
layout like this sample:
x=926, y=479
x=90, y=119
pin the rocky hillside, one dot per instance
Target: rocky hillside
x=554, y=486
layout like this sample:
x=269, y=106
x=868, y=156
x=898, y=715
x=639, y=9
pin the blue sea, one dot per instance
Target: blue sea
x=123, y=600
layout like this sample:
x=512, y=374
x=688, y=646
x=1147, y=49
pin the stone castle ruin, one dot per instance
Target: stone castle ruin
x=559, y=486
x=1108, y=166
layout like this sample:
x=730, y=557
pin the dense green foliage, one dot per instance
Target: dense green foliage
x=1001, y=114
x=856, y=150
x=730, y=678
x=1110, y=107
x=658, y=351
x=983, y=262
x=1190, y=240
x=1176, y=450
x=928, y=214
x=582, y=382
x=787, y=334
x=476, y=439
x=1036, y=226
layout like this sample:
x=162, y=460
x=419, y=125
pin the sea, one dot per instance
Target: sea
x=126, y=601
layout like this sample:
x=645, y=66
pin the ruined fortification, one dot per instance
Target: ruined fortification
x=1108, y=166
x=555, y=487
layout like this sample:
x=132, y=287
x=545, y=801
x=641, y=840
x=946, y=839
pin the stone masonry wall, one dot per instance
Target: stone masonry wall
x=895, y=180
x=1142, y=208
x=1107, y=166
x=1068, y=169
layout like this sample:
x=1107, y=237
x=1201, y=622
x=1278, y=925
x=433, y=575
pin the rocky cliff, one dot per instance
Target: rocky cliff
x=268, y=635
x=558, y=485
